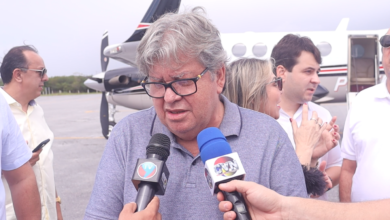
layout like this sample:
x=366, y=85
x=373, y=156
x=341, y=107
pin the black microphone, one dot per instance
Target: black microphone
x=151, y=175
x=222, y=166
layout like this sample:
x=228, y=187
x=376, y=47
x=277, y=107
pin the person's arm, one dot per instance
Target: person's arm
x=264, y=203
x=347, y=171
x=334, y=174
x=107, y=203
x=149, y=213
x=24, y=191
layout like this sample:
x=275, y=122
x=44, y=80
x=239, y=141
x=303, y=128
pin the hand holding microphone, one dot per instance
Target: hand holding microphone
x=151, y=175
x=221, y=166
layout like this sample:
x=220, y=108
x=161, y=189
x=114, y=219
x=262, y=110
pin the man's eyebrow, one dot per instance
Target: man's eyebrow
x=174, y=77
x=180, y=75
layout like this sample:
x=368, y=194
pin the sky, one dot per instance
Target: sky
x=67, y=33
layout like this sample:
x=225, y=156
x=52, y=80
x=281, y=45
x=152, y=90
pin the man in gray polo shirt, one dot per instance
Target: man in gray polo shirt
x=184, y=61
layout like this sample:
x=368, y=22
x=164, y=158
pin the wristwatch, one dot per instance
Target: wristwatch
x=58, y=199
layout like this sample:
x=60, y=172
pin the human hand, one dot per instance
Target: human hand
x=328, y=182
x=35, y=157
x=261, y=202
x=149, y=213
x=307, y=135
x=329, y=139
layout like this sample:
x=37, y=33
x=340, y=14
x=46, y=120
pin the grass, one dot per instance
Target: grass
x=67, y=93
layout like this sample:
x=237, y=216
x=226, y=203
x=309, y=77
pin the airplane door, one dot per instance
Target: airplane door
x=363, y=65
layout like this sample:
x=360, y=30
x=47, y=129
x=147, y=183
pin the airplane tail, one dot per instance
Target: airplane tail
x=343, y=25
x=156, y=9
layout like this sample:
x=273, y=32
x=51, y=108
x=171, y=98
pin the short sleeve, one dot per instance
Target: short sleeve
x=347, y=146
x=14, y=150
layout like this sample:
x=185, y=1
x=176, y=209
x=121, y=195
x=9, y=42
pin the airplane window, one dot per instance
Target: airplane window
x=259, y=49
x=239, y=50
x=325, y=48
x=357, y=50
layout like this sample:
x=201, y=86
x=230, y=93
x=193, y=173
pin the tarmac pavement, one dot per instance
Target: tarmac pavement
x=78, y=147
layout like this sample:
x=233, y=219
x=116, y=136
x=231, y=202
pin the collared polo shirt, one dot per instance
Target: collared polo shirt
x=367, y=141
x=35, y=130
x=263, y=147
x=333, y=157
x=13, y=150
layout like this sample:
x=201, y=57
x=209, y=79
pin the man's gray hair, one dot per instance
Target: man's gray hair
x=180, y=37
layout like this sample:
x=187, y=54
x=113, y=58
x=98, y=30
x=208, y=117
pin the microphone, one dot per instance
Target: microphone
x=151, y=175
x=221, y=166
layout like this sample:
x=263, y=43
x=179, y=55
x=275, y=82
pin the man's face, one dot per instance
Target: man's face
x=32, y=81
x=300, y=84
x=186, y=116
x=386, y=59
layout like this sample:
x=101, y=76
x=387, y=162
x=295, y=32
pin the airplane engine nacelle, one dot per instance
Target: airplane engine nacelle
x=122, y=78
x=119, y=80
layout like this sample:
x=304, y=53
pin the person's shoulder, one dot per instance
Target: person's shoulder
x=257, y=119
x=369, y=93
x=138, y=119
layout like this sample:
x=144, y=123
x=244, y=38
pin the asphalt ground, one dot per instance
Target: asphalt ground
x=78, y=146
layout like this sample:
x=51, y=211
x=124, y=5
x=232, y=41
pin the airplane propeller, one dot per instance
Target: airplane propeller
x=104, y=122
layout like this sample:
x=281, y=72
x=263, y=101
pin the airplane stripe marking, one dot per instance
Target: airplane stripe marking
x=334, y=70
x=143, y=26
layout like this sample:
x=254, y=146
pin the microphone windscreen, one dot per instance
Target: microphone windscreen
x=212, y=143
x=159, y=144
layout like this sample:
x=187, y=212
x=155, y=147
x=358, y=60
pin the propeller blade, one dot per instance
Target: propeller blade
x=104, y=115
x=103, y=59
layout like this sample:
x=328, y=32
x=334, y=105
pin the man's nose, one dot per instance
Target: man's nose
x=45, y=78
x=315, y=79
x=170, y=96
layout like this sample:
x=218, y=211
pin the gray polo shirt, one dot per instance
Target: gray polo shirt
x=263, y=146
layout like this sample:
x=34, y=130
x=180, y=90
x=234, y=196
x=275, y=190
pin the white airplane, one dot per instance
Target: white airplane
x=350, y=63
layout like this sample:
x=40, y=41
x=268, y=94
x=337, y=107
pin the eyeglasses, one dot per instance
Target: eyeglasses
x=385, y=41
x=42, y=72
x=181, y=87
x=277, y=81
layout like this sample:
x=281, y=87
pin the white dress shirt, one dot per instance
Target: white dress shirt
x=333, y=157
x=367, y=141
x=35, y=130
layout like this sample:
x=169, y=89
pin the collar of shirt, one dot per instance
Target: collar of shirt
x=382, y=91
x=230, y=125
x=11, y=100
x=298, y=112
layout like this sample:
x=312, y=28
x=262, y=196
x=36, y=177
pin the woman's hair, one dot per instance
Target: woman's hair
x=246, y=81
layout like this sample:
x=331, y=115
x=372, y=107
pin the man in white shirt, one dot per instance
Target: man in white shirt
x=297, y=62
x=23, y=73
x=14, y=156
x=366, y=144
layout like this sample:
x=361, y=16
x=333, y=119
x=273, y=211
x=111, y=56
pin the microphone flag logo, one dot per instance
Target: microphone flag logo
x=147, y=170
x=225, y=166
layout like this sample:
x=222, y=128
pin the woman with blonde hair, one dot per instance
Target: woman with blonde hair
x=250, y=83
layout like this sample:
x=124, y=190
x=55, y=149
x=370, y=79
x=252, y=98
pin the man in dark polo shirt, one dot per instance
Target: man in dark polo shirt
x=184, y=54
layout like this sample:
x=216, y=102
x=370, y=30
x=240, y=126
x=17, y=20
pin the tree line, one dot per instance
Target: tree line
x=73, y=84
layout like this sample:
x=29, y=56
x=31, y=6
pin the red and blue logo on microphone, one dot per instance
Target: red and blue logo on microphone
x=225, y=166
x=147, y=170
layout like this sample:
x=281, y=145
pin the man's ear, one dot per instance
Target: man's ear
x=281, y=72
x=17, y=75
x=221, y=78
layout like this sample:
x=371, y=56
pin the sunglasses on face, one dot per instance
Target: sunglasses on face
x=279, y=82
x=41, y=72
x=385, y=41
